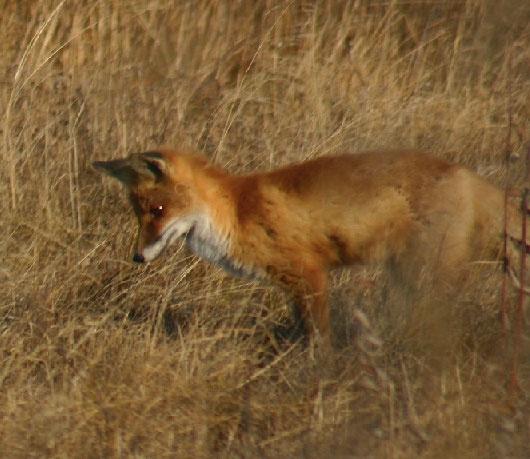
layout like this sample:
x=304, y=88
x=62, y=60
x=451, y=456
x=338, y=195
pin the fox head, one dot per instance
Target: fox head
x=158, y=184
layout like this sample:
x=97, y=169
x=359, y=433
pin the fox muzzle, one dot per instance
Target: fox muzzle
x=138, y=258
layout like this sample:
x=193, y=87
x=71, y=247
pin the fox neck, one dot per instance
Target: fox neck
x=205, y=240
x=212, y=234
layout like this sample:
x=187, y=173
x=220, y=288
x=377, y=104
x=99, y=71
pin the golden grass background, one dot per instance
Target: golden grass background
x=103, y=358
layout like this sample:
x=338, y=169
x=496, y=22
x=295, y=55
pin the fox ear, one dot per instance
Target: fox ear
x=120, y=169
x=154, y=163
x=130, y=171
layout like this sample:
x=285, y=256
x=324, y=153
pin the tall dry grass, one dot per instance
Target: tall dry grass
x=103, y=358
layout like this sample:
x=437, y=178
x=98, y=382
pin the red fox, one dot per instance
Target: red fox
x=292, y=225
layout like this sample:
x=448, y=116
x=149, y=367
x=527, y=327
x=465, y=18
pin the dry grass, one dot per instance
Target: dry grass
x=103, y=358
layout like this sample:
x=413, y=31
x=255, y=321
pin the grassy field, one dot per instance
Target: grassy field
x=100, y=357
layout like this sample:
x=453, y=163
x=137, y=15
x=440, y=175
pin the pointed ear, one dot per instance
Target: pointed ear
x=154, y=163
x=130, y=171
x=120, y=169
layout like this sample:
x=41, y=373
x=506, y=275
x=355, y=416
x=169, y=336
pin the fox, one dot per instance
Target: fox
x=291, y=226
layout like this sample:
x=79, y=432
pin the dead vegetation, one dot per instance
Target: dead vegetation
x=103, y=358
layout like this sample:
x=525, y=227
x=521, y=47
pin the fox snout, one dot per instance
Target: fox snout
x=138, y=258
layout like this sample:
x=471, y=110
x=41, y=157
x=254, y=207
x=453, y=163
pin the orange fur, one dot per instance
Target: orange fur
x=292, y=225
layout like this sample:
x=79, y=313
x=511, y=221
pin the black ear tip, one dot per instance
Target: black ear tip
x=98, y=164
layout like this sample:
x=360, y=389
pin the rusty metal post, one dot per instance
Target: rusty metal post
x=519, y=313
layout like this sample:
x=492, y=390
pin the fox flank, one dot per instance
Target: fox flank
x=292, y=225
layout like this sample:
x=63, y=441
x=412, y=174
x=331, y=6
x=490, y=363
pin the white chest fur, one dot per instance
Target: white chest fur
x=208, y=244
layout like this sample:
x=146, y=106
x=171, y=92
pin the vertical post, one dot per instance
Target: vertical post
x=507, y=154
x=504, y=286
x=519, y=313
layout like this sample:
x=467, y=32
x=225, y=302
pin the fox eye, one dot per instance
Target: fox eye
x=156, y=211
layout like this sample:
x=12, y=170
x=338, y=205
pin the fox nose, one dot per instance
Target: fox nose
x=138, y=258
